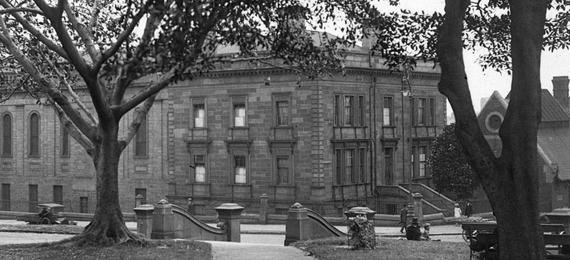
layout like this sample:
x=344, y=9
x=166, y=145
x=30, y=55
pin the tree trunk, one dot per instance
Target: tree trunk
x=107, y=226
x=511, y=181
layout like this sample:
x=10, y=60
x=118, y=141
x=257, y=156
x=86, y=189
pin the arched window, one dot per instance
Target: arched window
x=7, y=135
x=34, y=148
x=141, y=140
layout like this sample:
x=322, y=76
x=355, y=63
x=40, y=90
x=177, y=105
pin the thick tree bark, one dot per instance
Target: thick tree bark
x=107, y=226
x=511, y=181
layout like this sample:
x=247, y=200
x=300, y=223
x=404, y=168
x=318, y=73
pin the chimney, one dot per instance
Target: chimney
x=560, y=89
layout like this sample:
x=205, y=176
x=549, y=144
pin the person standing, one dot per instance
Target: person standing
x=403, y=218
x=468, y=209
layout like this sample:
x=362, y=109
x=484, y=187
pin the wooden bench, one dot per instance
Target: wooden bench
x=483, y=239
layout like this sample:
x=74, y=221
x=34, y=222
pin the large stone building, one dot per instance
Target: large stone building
x=240, y=131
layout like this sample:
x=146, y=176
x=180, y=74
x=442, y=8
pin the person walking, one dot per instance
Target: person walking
x=403, y=218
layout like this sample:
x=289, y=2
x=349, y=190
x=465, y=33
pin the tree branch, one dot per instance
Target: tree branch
x=147, y=92
x=21, y=10
x=89, y=76
x=84, y=33
x=35, y=32
x=140, y=114
x=45, y=85
x=72, y=129
x=72, y=93
x=126, y=77
x=453, y=84
x=122, y=37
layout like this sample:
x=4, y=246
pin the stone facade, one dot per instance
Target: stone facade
x=247, y=129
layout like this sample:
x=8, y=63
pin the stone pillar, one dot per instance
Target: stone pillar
x=163, y=221
x=230, y=215
x=297, y=224
x=418, y=207
x=361, y=233
x=139, y=200
x=144, y=218
x=263, y=199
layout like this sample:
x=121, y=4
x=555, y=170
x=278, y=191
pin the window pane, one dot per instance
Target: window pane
x=362, y=164
x=282, y=112
x=283, y=170
x=240, y=169
x=361, y=110
x=337, y=110
x=432, y=111
x=199, y=168
x=239, y=115
x=199, y=115
x=348, y=113
x=58, y=194
x=7, y=135
x=34, y=135
x=422, y=161
x=421, y=111
x=349, y=166
x=338, y=156
x=387, y=111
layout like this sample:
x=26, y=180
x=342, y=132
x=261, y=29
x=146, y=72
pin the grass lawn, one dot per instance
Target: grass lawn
x=392, y=249
x=157, y=249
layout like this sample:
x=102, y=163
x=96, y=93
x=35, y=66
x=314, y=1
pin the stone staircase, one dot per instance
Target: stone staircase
x=398, y=195
x=432, y=196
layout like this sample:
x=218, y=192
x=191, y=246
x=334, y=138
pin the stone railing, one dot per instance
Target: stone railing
x=167, y=221
x=304, y=224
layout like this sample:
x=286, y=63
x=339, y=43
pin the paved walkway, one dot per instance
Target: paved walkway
x=248, y=251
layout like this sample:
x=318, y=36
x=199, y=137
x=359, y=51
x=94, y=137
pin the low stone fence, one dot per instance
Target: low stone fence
x=168, y=221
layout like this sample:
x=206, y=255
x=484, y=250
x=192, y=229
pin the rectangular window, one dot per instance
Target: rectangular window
x=387, y=111
x=64, y=142
x=141, y=140
x=348, y=110
x=282, y=164
x=421, y=111
x=432, y=111
x=240, y=172
x=33, y=197
x=199, y=168
x=199, y=115
x=282, y=109
x=362, y=165
x=422, y=161
x=337, y=115
x=5, y=196
x=239, y=115
x=83, y=204
x=58, y=194
x=361, y=111
x=349, y=166
x=339, y=162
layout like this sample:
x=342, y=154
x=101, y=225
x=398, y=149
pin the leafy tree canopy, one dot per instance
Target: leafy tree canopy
x=450, y=168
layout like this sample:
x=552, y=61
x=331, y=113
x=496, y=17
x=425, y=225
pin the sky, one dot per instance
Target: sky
x=483, y=83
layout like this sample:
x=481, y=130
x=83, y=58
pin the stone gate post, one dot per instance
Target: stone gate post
x=144, y=218
x=163, y=221
x=297, y=224
x=230, y=215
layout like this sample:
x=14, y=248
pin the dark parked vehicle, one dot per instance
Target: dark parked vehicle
x=49, y=213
